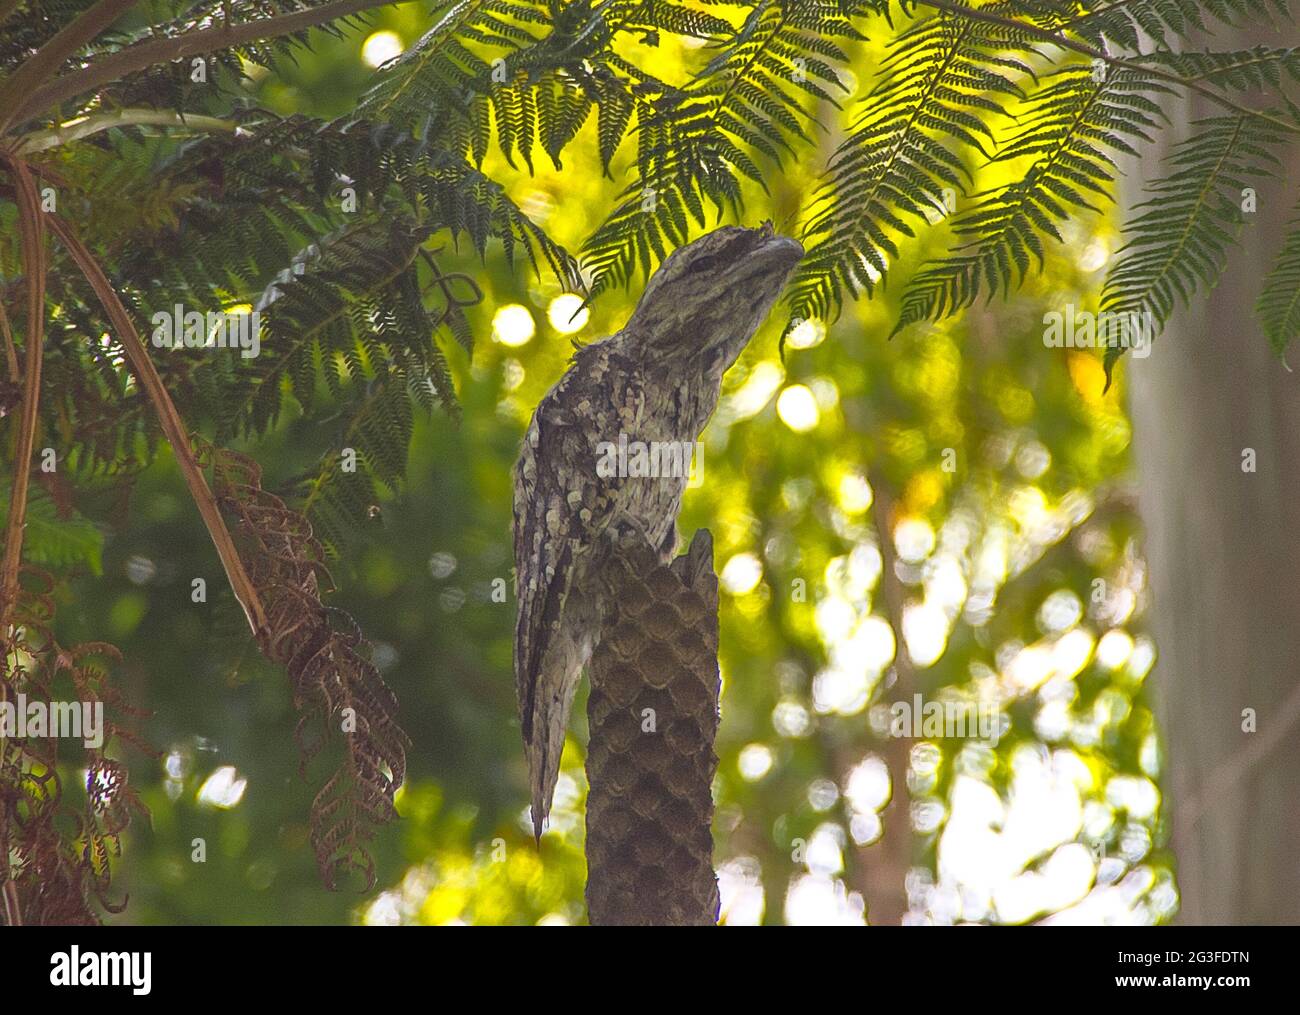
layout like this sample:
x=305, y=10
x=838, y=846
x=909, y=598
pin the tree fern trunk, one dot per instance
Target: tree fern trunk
x=1223, y=546
x=653, y=715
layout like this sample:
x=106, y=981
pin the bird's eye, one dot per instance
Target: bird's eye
x=703, y=264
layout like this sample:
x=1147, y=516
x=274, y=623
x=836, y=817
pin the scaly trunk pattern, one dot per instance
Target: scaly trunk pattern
x=653, y=715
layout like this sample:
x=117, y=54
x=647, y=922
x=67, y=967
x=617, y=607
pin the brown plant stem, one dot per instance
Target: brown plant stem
x=11, y=351
x=46, y=60
x=172, y=425
x=31, y=229
x=152, y=52
x=32, y=232
x=13, y=910
x=87, y=126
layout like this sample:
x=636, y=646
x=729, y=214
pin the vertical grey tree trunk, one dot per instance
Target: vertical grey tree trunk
x=1223, y=545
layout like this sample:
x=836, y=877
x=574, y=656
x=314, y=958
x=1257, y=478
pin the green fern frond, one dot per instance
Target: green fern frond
x=536, y=69
x=1179, y=237
x=167, y=84
x=694, y=143
x=1278, y=306
x=940, y=82
x=1244, y=70
x=352, y=311
x=1128, y=22
x=433, y=77
x=1070, y=127
x=299, y=174
x=333, y=309
x=377, y=424
x=652, y=218
x=56, y=540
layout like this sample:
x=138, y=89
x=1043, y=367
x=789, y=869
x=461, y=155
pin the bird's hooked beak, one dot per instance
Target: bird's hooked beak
x=775, y=254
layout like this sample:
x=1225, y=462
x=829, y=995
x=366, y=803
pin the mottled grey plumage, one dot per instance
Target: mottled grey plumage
x=657, y=380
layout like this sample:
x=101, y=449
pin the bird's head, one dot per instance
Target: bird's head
x=708, y=298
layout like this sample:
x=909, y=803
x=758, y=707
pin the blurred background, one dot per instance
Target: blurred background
x=946, y=514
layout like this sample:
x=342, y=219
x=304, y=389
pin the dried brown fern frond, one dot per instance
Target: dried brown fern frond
x=46, y=876
x=110, y=800
x=337, y=691
x=279, y=571
x=53, y=876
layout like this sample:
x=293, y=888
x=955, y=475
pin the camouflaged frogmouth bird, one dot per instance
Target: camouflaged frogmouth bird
x=657, y=380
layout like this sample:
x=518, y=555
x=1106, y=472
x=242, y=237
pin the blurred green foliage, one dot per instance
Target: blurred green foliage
x=994, y=466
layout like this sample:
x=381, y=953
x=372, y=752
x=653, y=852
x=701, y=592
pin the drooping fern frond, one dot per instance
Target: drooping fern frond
x=1127, y=22
x=653, y=213
x=1278, y=307
x=161, y=80
x=694, y=142
x=434, y=77
x=1177, y=242
x=105, y=422
x=1241, y=70
x=59, y=849
x=329, y=313
x=1069, y=129
x=39, y=22
x=378, y=426
x=942, y=80
x=537, y=70
x=357, y=329
x=55, y=538
x=364, y=307
x=341, y=698
x=317, y=163
x=324, y=229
